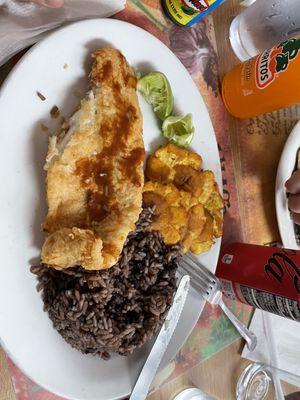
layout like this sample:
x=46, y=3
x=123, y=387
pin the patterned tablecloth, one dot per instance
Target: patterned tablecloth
x=247, y=187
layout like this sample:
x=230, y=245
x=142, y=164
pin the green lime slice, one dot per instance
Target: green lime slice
x=157, y=91
x=179, y=129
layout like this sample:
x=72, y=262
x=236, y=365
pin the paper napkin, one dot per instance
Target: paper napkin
x=278, y=345
x=24, y=23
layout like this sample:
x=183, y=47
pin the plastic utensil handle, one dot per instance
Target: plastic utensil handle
x=249, y=336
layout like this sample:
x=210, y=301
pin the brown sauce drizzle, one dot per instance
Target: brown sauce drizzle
x=129, y=79
x=129, y=163
x=111, y=249
x=106, y=72
x=97, y=206
x=115, y=130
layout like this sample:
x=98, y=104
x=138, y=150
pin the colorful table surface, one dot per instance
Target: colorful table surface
x=249, y=153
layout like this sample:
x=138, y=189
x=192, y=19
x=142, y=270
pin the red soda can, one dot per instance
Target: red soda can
x=263, y=277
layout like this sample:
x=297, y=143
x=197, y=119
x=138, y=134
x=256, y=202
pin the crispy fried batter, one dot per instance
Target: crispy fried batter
x=188, y=195
x=95, y=171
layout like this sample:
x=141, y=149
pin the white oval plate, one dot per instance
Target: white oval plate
x=285, y=169
x=58, y=67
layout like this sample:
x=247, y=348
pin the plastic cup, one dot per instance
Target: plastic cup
x=262, y=25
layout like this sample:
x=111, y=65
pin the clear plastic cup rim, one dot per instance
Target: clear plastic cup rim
x=192, y=394
x=235, y=41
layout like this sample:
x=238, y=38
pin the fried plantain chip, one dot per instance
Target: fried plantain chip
x=194, y=203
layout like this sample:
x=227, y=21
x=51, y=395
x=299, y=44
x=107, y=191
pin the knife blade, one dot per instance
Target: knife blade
x=159, y=348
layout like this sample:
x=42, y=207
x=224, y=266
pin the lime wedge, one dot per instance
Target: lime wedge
x=179, y=130
x=156, y=89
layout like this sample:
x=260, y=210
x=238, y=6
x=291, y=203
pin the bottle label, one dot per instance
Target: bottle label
x=227, y=289
x=272, y=62
x=187, y=12
x=197, y=5
x=264, y=277
x=280, y=305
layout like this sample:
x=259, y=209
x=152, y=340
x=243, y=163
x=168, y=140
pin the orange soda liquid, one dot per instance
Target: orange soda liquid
x=264, y=83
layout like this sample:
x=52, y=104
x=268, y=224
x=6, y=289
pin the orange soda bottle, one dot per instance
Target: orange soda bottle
x=264, y=83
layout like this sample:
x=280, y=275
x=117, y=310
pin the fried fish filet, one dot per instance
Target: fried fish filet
x=95, y=171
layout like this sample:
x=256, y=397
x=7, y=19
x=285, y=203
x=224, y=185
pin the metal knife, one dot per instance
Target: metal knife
x=159, y=348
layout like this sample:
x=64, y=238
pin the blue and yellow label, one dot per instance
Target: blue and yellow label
x=187, y=12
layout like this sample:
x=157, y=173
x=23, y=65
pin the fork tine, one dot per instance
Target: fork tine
x=191, y=272
x=194, y=274
x=194, y=283
x=213, y=293
x=197, y=271
x=198, y=284
x=202, y=270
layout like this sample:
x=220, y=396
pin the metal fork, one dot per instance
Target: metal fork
x=209, y=287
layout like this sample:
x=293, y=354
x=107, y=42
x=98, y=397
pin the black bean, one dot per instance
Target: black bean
x=119, y=309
